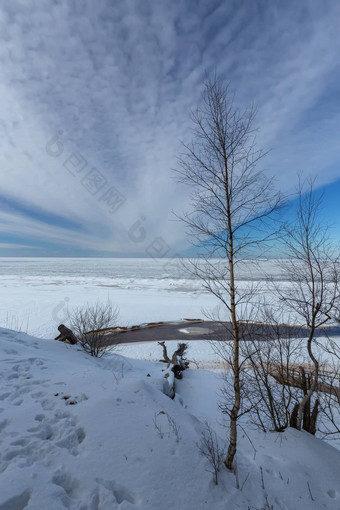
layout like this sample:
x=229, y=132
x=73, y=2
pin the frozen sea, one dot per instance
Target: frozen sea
x=36, y=293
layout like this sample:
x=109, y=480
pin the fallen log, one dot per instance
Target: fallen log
x=175, y=366
x=177, y=362
x=293, y=377
x=169, y=386
x=66, y=335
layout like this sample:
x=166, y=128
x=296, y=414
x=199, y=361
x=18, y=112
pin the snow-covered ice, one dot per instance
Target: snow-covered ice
x=36, y=294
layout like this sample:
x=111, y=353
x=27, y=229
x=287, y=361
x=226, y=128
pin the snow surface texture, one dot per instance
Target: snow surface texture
x=79, y=433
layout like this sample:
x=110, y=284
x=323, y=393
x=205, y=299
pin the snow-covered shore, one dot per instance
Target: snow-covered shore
x=36, y=294
x=78, y=433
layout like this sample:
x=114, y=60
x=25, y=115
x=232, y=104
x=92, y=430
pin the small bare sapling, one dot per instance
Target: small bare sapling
x=210, y=449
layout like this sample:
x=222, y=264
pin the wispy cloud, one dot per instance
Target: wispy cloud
x=14, y=246
x=119, y=79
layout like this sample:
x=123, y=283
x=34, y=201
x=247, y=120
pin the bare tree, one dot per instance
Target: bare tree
x=313, y=293
x=89, y=323
x=232, y=204
x=277, y=375
x=270, y=355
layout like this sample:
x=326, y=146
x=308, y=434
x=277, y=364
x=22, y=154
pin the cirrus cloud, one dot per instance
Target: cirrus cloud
x=119, y=80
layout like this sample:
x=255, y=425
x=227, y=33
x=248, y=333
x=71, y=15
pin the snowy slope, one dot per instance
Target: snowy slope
x=78, y=433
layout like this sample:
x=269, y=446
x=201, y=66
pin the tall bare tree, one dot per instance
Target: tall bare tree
x=313, y=268
x=232, y=204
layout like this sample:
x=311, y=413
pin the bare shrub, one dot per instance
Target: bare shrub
x=278, y=374
x=173, y=428
x=157, y=425
x=211, y=450
x=88, y=324
x=270, y=357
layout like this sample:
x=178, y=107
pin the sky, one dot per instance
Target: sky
x=96, y=99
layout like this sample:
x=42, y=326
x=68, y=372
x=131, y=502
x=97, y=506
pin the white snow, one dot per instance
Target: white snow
x=78, y=433
x=36, y=294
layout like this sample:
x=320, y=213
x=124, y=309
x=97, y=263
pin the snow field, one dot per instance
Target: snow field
x=79, y=433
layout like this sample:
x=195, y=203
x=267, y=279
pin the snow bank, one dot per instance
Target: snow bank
x=79, y=433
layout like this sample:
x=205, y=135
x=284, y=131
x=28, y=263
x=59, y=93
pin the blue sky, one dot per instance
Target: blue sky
x=96, y=97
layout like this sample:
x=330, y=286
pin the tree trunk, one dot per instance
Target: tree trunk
x=236, y=368
x=314, y=384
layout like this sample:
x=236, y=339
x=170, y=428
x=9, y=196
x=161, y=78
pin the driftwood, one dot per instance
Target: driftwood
x=169, y=386
x=295, y=377
x=175, y=366
x=166, y=358
x=66, y=335
x=177, y=362
x=300, y=377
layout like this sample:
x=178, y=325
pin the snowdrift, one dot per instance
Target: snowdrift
x=93, y=434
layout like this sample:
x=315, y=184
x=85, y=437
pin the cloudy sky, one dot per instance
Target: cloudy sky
x=96, y=96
